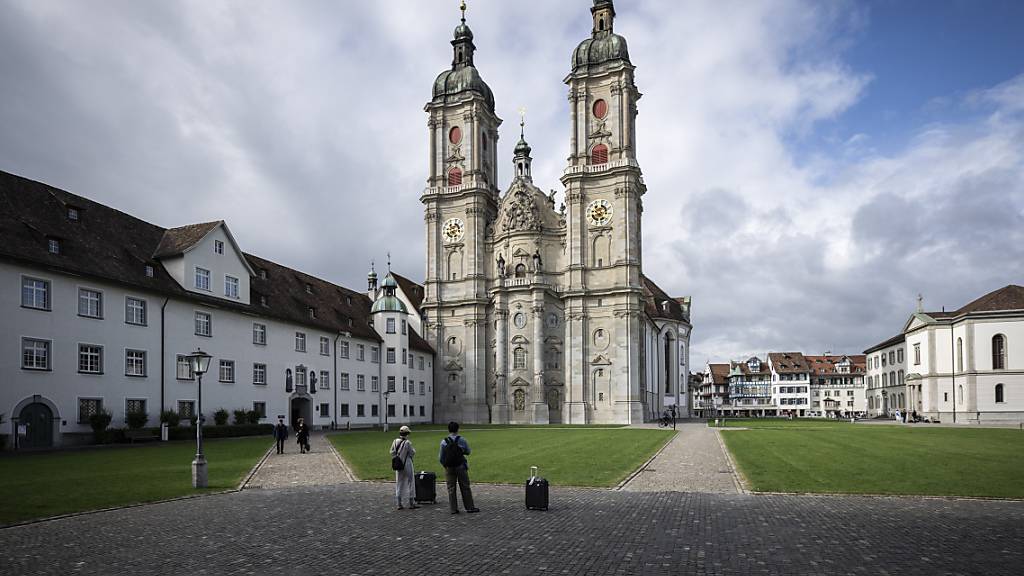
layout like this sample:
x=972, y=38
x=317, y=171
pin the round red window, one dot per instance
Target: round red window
x=455, y=135
x=600, y=108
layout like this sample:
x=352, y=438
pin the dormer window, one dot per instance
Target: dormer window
x=263, y=301
x=53, y=245
x=73, y=214
x=218, y=246
x=149, y=271
x=309, y=288
x=263, y=273
x=312, y=313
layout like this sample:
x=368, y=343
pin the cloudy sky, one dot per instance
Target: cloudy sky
x=812, y=166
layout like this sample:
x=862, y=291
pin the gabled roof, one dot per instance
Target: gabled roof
x=177, y=241
x=416, y=342
x=897, y=339
x=658, y=304
x=743, y=367
x=826, y=364
x=107, y=244
x=412, y=290
x=788, y=362
x=719, y=373
x=1009, y=297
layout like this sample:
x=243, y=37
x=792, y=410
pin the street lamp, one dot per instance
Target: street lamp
x=386, y=394
x=199, y=362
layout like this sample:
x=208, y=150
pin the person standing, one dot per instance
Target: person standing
x=302, y=436
x=454, y=450
x=280, y=434
x=402, y=449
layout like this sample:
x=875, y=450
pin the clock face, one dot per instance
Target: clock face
x=599, y=212
x=453, y=230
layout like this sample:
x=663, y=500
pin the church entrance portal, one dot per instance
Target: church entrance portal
x=37, y=418
x=301, y=408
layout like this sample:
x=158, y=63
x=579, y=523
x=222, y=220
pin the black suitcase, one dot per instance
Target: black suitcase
x=426, y=487
x=536, y=491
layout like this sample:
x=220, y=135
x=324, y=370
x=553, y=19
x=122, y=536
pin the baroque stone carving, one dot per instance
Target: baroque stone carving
x=520, y=212
x=519, y=397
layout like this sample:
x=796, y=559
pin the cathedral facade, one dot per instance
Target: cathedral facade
x=541, y=313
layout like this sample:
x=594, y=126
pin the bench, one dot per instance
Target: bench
x=141, y=435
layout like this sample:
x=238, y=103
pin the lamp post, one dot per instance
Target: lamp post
x=199, y=362
x=386, y=394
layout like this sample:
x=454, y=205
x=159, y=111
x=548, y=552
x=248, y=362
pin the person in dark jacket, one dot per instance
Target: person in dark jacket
x=456, y=469
x=302, y=436
x=280, y=434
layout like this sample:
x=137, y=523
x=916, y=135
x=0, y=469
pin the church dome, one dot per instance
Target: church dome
x=604, y=47
x=388, y=304
x=451, y=83
x=462, y=32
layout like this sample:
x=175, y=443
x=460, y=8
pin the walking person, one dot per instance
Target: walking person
x=402, y=449
x=454, y=450
x=280, y=434
x=302, y=436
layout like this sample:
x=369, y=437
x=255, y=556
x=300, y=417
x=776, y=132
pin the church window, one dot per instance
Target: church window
x=455, y=177
x=601, y=24
x=999, y=394
x=599, y=154
x=600, y=108
x=519, y=359
x=520, y=271
x=999, y=352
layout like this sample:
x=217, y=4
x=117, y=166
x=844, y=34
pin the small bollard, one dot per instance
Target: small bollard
x=716, y=422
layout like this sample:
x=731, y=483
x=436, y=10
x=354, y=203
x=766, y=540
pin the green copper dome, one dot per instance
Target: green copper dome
x=388, y=304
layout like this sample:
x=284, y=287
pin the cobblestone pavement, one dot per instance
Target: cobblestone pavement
x=692, y=462
x=320, y=467
x=352, y=529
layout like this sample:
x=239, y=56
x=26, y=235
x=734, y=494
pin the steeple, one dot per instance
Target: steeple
x=522, y=158
x=604, y=16
x=463, y=43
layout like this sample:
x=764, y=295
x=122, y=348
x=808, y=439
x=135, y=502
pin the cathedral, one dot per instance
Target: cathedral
x=541, y=313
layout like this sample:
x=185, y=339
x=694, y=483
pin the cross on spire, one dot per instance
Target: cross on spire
x=920, y=303
x=522, y=121
x=389, y=261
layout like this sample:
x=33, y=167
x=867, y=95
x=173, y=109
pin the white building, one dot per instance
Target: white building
x=791, y=383
x=886, y=371
x=100, y=308
x=837, y=385
x=968, y=365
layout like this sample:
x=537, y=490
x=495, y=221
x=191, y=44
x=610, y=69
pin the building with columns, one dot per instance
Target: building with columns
x=542, y=313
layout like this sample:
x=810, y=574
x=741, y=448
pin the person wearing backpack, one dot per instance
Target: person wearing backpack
x=454, y=450
x=401, y=462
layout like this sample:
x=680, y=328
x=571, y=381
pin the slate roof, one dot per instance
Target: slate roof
x=788, y=362
x=411, y=289
x=107, y=244
x=177, y=240
x=658, y=304
x=897, y=339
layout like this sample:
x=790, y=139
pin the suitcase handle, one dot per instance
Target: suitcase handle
x=533, y=472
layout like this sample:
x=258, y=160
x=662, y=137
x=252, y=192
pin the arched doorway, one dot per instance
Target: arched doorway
x=37, y=418
x=301, y=407
x=554, y=406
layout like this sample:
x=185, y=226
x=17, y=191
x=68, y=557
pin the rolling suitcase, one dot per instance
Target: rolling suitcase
x=426, y=487
x=536, y=491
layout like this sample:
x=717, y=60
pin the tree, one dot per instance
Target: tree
x=220, y=417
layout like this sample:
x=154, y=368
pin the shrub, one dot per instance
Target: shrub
x=231, y=431
x=252, y=417
x=136, y=420
x=220, y=417
x=241, y=417
x=170, y=417
x=99, y=422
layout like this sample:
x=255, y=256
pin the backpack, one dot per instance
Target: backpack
x=453, y=456
x=396, y=462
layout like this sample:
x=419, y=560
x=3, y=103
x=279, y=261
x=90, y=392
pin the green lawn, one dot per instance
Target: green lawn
x=51, y=483
x=566, y=456
x=829, y=456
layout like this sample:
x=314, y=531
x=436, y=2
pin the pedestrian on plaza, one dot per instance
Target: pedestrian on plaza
x=454, y=450
x=913, y=416
x=280, y=434
x=302, y=436
x=402, y=449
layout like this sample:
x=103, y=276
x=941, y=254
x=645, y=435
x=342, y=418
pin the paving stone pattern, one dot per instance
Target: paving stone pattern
x=692, y=462
x=319, y=467
x=352, y=529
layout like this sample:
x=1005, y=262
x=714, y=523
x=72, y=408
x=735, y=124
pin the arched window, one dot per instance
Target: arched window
x=600, y=25
x=519, y=359
x=959, y=354
x=999, y=352
x=900, y=377
x=599, y=154
x=520, y=271
x=999, y=394
x=885, y=380
x=960, y=394
x=455, y=177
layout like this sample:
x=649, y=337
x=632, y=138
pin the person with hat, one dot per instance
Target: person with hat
x=402, y=449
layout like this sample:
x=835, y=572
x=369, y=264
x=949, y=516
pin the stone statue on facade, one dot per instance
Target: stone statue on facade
x=501, y=266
